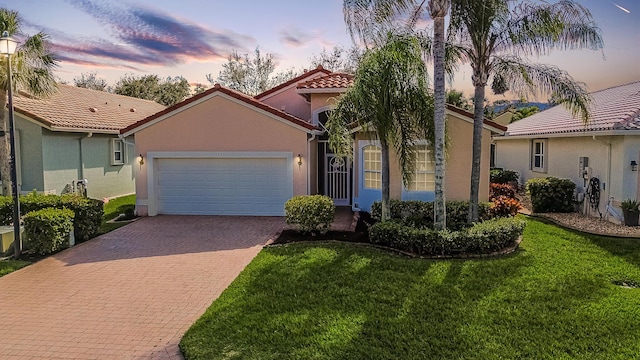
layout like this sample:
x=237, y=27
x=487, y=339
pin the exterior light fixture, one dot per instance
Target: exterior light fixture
x=634, y=165
x=299, y=160
x=141, y=159
x=8, y=47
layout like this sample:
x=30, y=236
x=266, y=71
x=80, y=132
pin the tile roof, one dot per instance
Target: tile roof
x=469, y=114
x=615, y=108
x=235, y=94
x=317, y=70
x=329, y=81
x=78, y=109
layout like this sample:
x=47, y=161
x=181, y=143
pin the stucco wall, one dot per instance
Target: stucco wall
x=563, y=161
x=30, y=155
x=221, y=124
x=458, y=165
x=69, y=157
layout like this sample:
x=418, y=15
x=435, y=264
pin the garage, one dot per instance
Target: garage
x=256, y=185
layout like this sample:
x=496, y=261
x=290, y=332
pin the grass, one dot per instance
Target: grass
x=114, y=208
x=554, y=298
x=9, y=266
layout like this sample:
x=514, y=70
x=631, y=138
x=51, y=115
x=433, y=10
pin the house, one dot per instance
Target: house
x=225, y=153
x=555, y=143
x=74, y=135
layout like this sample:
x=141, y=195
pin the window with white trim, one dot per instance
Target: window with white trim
x=538, y=155
x=117, y=152
x=372, y=167
x=423, y=178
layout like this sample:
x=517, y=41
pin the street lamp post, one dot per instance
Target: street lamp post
x=8, y=47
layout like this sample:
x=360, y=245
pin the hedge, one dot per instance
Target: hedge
x=482, y=238
x=310, y=213
x=47, y=230
x=551, y=194
x=87, y=212
x=501, y=176
x=419, y=214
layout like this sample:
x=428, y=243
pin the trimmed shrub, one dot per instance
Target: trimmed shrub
x=47, y=230
x=501, y=176
x=496, y=190
x=486, y=237
x=419, y=214
x=551, y=194
x=310, y=213
x=88, y=212
x=504, y=206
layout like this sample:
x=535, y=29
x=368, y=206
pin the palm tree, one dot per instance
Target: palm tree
x=370, y=17
x=524, y=112
x=32, y=68
x=389, y=99
x=496, y=36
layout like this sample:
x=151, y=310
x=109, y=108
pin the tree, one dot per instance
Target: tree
x=457, y=99
x=390, y=99
x=367, y=19
x=251, y=75
x=495, y=36
x=338, y=60
x=199, y=88
x=524, y=112
x=91, y=81
x=150, y=87
x=32, y=68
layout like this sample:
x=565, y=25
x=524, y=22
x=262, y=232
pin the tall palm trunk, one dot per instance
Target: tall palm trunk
x=5, y=169
x=479, y=82
x=438, y=10
x=386, y=205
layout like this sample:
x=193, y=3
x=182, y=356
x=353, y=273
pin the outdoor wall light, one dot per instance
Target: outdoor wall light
x=141, y=159
x=299, y=160
x=634, y=165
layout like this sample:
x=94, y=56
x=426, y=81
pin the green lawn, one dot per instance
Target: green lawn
x=554, y=298
x=8, y=266
x=114, y=208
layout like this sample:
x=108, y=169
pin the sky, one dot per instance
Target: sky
x=193, y=38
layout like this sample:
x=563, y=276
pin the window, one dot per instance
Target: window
x=117, y=152
x=372, y=159
x=538, y=161
x=424, y=177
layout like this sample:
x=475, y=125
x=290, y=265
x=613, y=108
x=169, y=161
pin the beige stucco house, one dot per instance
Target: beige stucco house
x=225, y=153
x=555, y=143
x=74, y=135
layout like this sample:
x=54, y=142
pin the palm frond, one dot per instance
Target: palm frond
x=528, y=79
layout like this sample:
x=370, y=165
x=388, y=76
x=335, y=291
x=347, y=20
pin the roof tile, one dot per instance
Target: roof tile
x=615, y=108
x=74, y=108
x=330, y=81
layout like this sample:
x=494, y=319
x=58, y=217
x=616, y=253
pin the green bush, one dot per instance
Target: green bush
x=88, y=212
x=310, y=213
x=47, y=230
x=501, y=176
x=551, y=194
x=419, y=214
x=485, y=237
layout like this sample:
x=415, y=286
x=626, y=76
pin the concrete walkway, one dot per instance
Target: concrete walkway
x=129, y=294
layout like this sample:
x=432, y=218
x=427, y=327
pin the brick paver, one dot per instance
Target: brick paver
x=129, y=294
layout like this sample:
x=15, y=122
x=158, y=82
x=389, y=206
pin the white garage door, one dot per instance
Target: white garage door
x=223, y=186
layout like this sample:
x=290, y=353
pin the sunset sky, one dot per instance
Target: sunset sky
x=192, y=38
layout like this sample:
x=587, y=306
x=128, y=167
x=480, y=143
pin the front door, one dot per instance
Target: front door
x=336, y=182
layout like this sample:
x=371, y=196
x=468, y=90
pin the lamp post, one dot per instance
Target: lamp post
x=8, y=47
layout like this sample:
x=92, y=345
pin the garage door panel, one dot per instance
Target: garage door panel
x=223, y=186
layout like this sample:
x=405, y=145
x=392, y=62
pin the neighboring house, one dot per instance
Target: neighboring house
x=555, y=143
x=74, y=135
x=222, y=152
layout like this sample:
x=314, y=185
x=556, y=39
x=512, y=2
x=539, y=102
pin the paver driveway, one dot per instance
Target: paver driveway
x=129, y=294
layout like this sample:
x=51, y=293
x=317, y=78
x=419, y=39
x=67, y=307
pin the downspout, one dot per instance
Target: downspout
x=81, y=172
x=608, y=183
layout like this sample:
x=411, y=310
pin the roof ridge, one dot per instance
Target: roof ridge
x=107, y=93
x=615, y=86
x=295, y=80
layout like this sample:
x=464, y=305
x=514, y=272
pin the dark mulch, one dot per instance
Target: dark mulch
x=361, y=234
